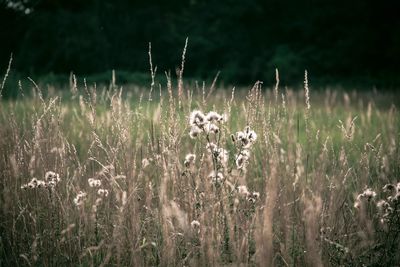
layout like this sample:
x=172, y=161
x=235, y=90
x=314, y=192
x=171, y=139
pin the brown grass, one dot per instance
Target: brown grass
x=308, y=163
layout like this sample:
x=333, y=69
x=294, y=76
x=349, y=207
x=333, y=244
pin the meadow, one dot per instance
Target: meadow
x=191, y=174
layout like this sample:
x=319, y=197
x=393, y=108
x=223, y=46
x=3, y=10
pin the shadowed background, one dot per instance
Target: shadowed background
x=356, y=42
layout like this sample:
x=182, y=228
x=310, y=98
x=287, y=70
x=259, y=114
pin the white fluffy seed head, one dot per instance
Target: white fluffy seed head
x=41, y=184
x=382, y=205
x=369, y=194
x=253, y=197
x=94, y=182
x=256, y=195
x=211, y=128
x=252, y=136
x=219, y=153
x=212, y=116
x=241, y=161
x=102, y=192
x=52, y=184
x=52, y=176
x=216, y=178
x=388, y=188
x=80, y=198
x=223, y=156
x=197, y=118
x=35, y=183
x=195, y=224
x=246, y=138
x=189, y=159
x=194, y=131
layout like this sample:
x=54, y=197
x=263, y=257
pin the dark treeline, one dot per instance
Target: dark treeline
x=245, y=40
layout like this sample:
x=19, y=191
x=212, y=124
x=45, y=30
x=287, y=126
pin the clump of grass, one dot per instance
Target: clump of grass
x=190, y=176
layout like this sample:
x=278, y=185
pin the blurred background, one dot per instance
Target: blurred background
x=338, y=42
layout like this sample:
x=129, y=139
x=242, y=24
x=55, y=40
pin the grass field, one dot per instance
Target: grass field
x=133, y=176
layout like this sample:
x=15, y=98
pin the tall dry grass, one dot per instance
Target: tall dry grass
x=140, y=185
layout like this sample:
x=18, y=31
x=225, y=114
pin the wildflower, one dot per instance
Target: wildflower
x=80, y=198
x=214, y=116
x=253, y=197
x=382, y=205
x=204, y=123
x=102, y=192
x=34, y=182
x=251, y=135
x=211, y=128
x=189, y=159
x=388, y=188
x=211, y=146
x=220, y=155
x=256, y=195
x=195, y=225
x=397, y=197
x=194, y=131
x=94, y=182
x=197, y=118
x=52, y=179
x=251, y=200
x=369, y=194
x=52, y=176
x=52, y=184
x=41, y=184
x=245, y=138
x=242, y=159
x=216, y=178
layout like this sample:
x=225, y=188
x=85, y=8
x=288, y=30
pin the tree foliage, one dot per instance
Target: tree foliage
x=246, y=40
